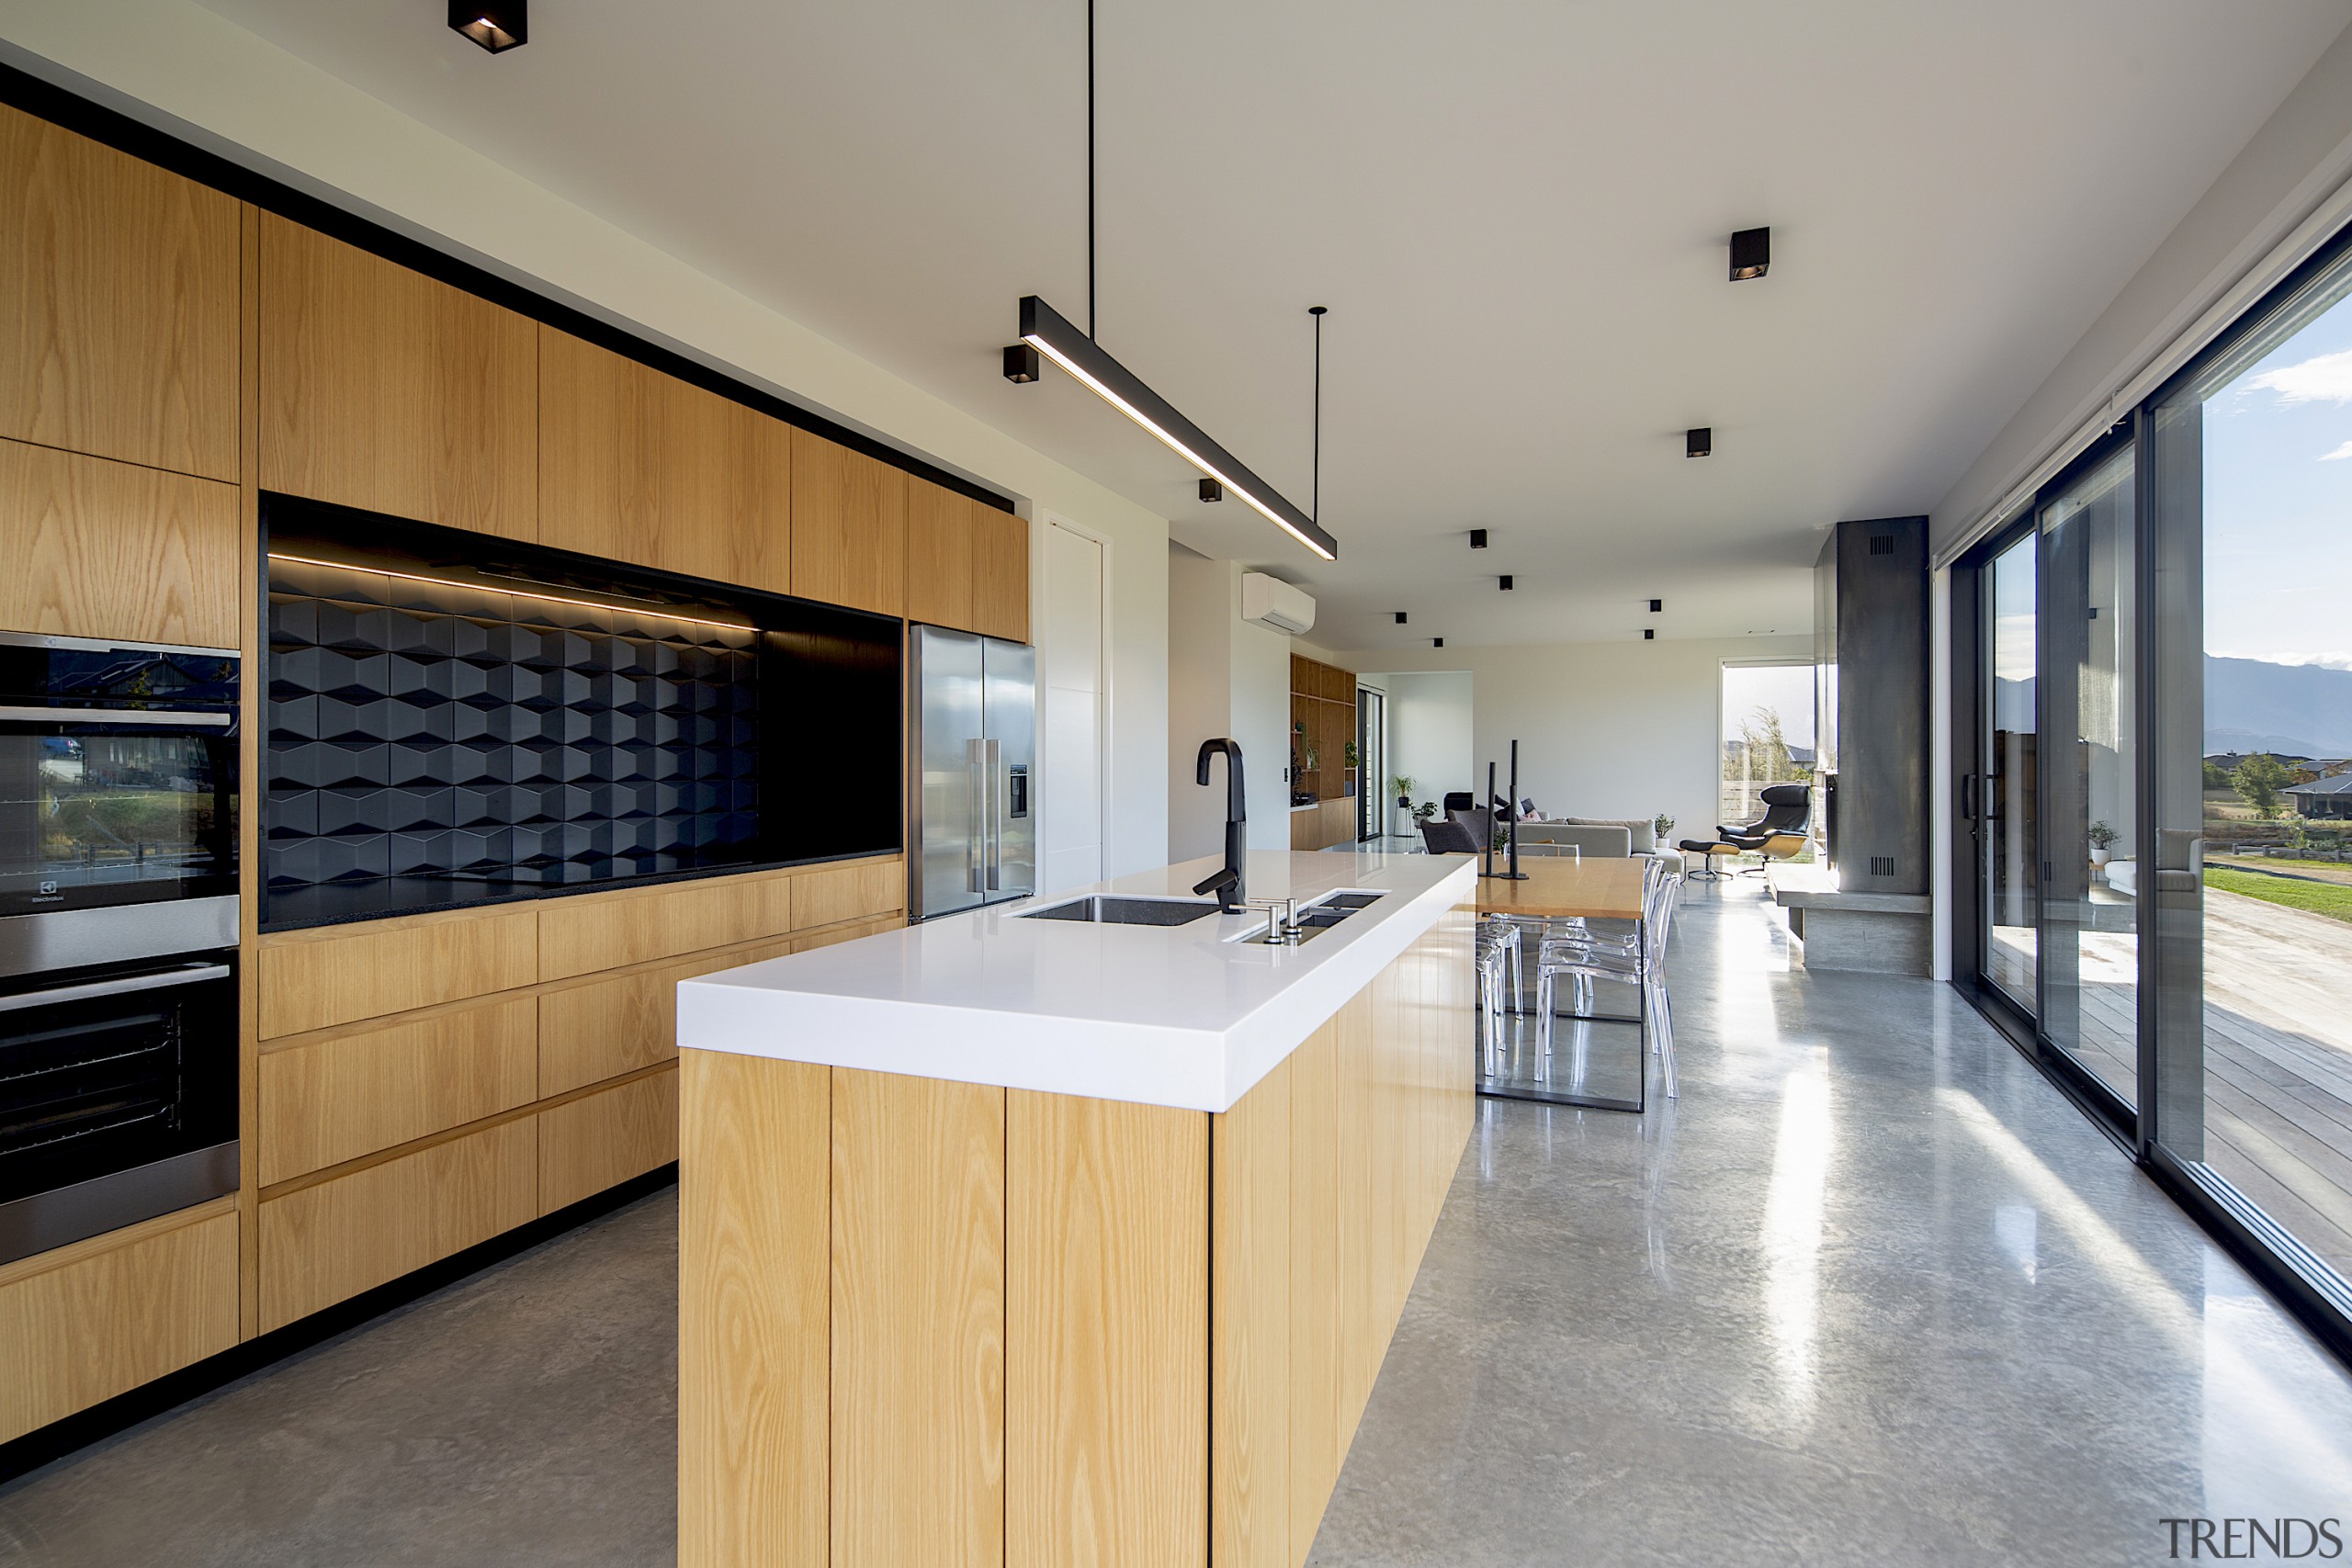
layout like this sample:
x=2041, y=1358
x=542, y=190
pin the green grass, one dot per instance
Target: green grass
x=2328, y=898
x=2284, y=864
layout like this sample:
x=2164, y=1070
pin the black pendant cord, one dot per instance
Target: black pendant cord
x=1090, y=171
x=1315, y=497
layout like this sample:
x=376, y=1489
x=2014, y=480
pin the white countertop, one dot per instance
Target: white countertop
x=1158, y=1015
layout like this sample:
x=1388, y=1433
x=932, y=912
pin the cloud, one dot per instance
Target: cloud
x=2328, y=378
x=2343, y=451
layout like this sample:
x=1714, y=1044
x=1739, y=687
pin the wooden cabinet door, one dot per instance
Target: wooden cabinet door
x=638, y=466
x=385, y=390
x=1000, y=573
x=940, y=548
x=104, y=550
x=118, y=304
x=849, y=526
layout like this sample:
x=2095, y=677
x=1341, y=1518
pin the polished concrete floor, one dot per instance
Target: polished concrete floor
x=1870, y=1293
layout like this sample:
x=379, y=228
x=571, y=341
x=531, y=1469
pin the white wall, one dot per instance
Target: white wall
x=187, y=70
x=1226, y=678
x=2281, y=197
x=1605, y=729
x=1431, y=732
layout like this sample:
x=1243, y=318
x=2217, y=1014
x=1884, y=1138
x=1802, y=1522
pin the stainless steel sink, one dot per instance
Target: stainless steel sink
x=1103, y=909
x=1313, y=920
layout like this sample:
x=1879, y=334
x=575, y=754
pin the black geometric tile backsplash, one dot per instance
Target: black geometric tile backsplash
x=427, y=729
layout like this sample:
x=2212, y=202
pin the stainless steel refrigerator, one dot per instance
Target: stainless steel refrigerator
x=972, y=715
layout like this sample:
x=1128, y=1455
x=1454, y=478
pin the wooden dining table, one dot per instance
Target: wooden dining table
x=1603, y=887
x=1558, y=886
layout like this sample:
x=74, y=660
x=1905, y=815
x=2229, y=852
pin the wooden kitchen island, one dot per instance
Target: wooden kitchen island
x=1037, y=1242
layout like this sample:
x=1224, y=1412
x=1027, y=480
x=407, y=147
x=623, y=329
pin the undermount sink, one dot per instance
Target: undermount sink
x=1313, y=920
x=1102, y=908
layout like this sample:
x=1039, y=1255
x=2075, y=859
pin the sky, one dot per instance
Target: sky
x=1787, y=688
x=2279, y=503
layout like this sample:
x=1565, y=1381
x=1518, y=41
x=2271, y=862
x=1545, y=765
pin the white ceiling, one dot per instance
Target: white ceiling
x=1516, y=212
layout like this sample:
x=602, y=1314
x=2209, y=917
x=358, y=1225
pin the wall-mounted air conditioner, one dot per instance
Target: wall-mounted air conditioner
x=1271, y=602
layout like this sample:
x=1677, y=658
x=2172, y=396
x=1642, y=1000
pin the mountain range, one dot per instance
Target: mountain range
x=2299, y=710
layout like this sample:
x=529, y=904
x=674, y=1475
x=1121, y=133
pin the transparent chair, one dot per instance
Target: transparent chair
x=1637, y=958
x=1498, y=957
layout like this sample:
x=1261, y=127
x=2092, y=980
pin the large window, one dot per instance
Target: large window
x=1766, y=734
x=2253, y=495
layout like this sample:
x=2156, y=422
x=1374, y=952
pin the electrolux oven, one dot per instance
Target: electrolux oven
x=118, y=934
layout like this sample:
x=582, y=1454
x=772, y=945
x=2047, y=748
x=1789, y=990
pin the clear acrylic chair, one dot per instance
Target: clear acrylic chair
x=1637, y=959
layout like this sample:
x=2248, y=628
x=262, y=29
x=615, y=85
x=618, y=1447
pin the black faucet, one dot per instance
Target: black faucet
x=1226, y=884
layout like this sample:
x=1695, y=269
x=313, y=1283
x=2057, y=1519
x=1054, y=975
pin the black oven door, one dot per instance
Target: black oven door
x=117, y=799
x=117, y=1098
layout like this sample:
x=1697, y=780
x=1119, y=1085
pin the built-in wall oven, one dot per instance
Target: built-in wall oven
x=118, y=934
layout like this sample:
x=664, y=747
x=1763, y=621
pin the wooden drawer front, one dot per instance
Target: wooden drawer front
x=601, y=1140
x=102, y=549
x=328, y=1243
x=333, y=1100
x=581, y=936
x=848, y=893
x=316, y=979
x=589, y=1033
x=383, y=389
x=118, y=305
x=111, y=1316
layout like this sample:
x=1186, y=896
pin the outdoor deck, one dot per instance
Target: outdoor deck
x=2278, y=1055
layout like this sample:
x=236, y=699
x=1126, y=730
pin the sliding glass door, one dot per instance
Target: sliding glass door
x=2251, y=525
x=2012, y=881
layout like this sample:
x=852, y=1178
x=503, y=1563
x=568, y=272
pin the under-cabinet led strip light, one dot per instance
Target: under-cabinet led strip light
x=514, y=592
x=1046, y=330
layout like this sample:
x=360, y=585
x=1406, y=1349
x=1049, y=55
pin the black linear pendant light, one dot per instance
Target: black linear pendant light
x=1050, y=333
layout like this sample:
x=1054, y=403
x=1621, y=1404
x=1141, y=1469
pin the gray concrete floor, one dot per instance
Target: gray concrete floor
x=1871, y=1293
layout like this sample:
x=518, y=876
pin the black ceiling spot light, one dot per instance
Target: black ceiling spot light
x=1698, y=441
x=1437, y=642
x=1022, y=363
x=1401, y=618
x=497, y=28
x=1504, y=582
x=1047, y=332
x=1751, y=254
x=1212, y=491
x=1477, y=539
x=1649, y=634
x=1656, y=605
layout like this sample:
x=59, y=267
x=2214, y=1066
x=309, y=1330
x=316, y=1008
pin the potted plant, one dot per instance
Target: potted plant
x=2102, y=838
x=1402, y=786
x=1664, y=825
x=1351, y=759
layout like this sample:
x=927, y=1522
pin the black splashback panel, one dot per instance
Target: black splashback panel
x=426, y=732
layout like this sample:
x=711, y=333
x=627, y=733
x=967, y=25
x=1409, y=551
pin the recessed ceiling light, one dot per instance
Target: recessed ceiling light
x=497, y=28
x=1698, y=441
x=1751, y=254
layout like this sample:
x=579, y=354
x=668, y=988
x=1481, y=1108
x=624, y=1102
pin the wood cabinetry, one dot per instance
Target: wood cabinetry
x=1323, y=721
x=118, y=300
x=102, y=549
x=638, y=466
x=849, y=526
x=486, y=1068
x=380, y=388
x=968, y=564
x=99, y=1318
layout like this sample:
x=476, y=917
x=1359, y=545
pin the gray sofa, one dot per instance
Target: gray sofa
x=1597, y=836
